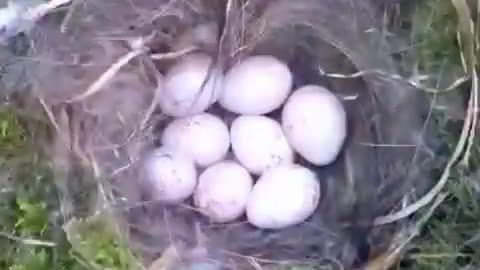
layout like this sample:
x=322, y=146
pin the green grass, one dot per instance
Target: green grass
x=451, y=237
x=31, y=221
x=434, y=31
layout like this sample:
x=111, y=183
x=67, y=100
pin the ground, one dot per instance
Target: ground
x=32, y=237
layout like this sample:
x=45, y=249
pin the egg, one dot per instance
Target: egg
x=315, y=124
x=258, y=143
x=256, y=85
x=223, y=191
x=283, y=196
x=203, y=137
x=171, y=176
x=185, y=92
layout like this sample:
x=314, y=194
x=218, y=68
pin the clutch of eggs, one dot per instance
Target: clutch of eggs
x=262, y=181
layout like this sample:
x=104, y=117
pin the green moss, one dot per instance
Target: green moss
x=31, y=219
x=12, y=135
x=96, y=240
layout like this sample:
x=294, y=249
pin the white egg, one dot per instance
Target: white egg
x=282, y=197
x=203, y=137
x=185, y=91
x=171, y=176
x=257, y=85
x=315, y=124
x=223, y=191
x=258, y=143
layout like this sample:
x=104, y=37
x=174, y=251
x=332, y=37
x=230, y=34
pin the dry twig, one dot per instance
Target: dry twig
x=108, y=75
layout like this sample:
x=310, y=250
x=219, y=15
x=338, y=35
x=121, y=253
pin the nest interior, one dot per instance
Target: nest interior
x=103, y=135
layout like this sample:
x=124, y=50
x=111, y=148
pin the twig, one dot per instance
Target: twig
x=226, y=27
x=255, y=40
x=28, y=241
x=173, y=55
x=386, y=145
x=119, y=170
x=159, y=77
x=438, y=255
x=284, y=262
x=468, y=43
x=158, y=14
x=49, y=113
x=41, y=10
x=255, y=264
x=115, y=146
x=68, y=16
x=412, y=83
x=473, y=112
x=94, y=164
x=107, y=75
x=349, y=97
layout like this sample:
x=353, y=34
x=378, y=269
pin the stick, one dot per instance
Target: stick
x=28, y=241
x=107, y=75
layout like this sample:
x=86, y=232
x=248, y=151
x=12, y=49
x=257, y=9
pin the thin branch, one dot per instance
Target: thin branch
x=41, y=10
x=66, y=20
x=107, y=75
x=50, y=115
x=387, y=145
x=454, y=85
x=173, y=55
x=28, y=241
x=473, y=111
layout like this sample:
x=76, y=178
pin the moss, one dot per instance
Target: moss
x=30, y=213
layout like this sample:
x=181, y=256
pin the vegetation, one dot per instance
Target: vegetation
x=451, y=237
x=32, y=235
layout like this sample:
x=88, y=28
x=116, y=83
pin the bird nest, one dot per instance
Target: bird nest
x=93, y=67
